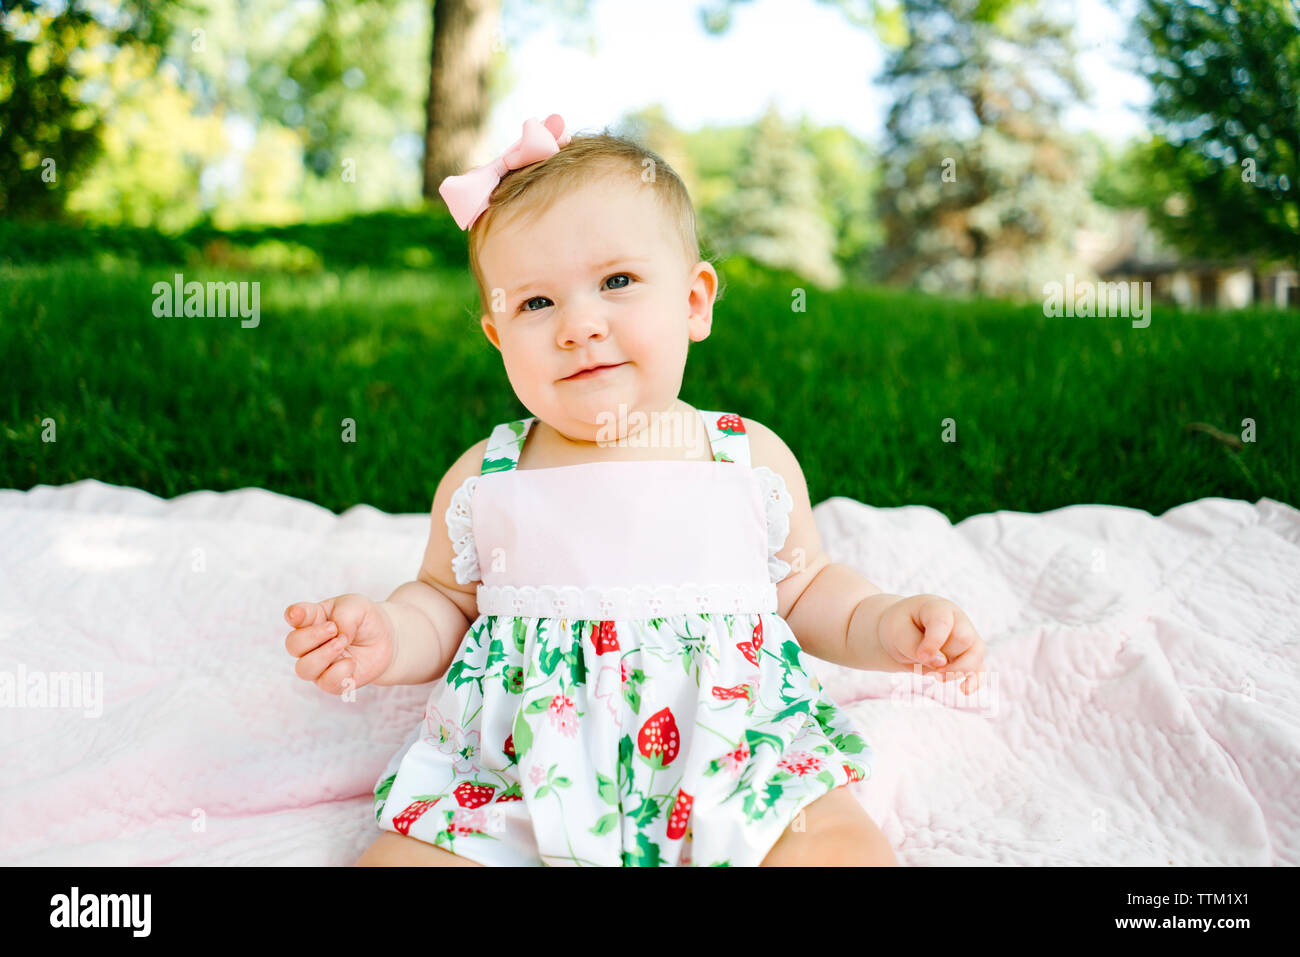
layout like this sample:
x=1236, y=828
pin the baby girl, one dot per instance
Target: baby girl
x=616, y=628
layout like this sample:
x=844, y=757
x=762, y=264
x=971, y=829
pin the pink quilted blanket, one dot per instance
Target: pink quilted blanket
x=1142, y=701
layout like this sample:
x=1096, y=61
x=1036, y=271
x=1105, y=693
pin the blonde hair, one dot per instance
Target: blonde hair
x=533, y=189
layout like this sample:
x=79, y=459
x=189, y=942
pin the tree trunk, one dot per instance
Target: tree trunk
x=459, y=72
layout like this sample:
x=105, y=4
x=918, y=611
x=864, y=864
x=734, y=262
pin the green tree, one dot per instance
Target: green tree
x=1226, y=108
x=982, y=190
x=329, y=95
x=775, y=213
x=49, y=131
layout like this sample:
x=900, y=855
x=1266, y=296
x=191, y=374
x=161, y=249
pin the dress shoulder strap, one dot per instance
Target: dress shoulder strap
x=727, y=437
x=504, y=445
x=727, y=440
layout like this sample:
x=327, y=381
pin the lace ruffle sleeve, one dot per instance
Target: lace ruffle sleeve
x=460, y=528
x=777, y=504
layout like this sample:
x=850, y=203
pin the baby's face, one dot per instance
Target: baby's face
x=600, y=277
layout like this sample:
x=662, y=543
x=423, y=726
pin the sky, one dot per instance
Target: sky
x=802, y=55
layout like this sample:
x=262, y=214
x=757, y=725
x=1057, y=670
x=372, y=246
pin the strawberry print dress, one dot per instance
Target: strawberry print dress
x=628, y=694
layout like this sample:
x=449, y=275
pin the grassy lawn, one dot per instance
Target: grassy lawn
x=1048, y=412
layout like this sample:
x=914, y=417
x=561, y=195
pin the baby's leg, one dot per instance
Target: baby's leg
x=836, y=832
x=397, y=850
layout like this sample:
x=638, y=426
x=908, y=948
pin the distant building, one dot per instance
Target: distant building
x=1130, y=251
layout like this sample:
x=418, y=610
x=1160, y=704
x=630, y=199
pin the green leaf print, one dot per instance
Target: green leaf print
x=496, y=652
x=577, y=665
x=646, y=853
x=827, y=779
x=457, y=674
x=625, y=762
x=790, y=654
x=520, y=632
x=755, y=807
x=754, y=739
x=523, y=736
x=647, y=812
x=549, y=659
x=538, y=705
x=800, y=705
x=850, y=743
x=607, y=790
x=381, y=795
x=632, y=689
x=604, y=824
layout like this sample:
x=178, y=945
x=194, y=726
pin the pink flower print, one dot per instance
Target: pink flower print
x=564, y=718
x=622, y=672
x=800, y=763
x=734, y=761
x=440, y=729
x=537, y=775
x=451, y=739
x=609, y=690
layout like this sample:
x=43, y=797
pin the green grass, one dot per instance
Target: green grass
x=1048, y=412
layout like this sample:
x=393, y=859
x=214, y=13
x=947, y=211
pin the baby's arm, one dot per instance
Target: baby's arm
x=431, y=614
x=825, y=603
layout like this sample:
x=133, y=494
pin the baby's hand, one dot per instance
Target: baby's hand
x=348, y=636
x=935, y=633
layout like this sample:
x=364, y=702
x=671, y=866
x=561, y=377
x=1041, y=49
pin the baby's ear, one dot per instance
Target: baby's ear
x=490, y=330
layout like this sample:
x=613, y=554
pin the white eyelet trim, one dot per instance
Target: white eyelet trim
x=605, y=603
x=460, y=528
x=778, y=504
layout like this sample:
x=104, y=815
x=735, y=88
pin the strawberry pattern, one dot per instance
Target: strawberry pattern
x=683, y=740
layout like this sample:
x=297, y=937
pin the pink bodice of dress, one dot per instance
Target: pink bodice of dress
x=626, y=539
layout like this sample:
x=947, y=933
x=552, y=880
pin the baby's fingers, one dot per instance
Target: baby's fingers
x=313, y=664
x=302, y=640
x=967, y=667
x=304, y=614
x=335, y=676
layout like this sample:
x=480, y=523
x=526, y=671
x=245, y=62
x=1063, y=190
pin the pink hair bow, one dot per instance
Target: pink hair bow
x=467, y=195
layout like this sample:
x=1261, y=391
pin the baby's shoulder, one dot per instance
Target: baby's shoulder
x=766, y=448
x=469, y=463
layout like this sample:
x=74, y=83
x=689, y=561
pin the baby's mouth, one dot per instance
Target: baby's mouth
x=592, y=373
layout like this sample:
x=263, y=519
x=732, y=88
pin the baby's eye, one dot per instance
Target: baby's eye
x=524, y=307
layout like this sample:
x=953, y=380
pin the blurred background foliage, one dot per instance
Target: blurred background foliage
x=197, y=115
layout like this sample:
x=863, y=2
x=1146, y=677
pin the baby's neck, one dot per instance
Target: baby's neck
x=680, y=435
